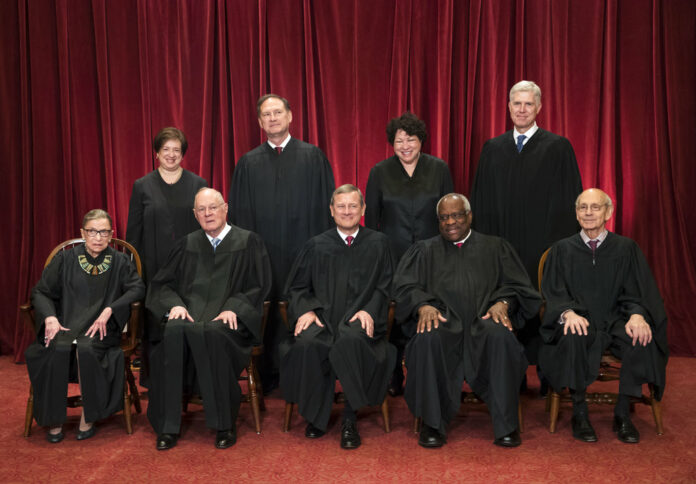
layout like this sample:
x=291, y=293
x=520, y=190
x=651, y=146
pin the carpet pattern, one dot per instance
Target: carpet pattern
x=274, y=456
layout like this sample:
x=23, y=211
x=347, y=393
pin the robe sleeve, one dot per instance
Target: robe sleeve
x=247, y=304
x=134, y=228
x=515, y=287
x=373, y=201
x=446, y=184
x=131, y=288
x=481, y=203
x=161, y=293
x=300, y=286
x=326, y=187
x=409, y=284
x=45, y=297
x=241, y=203
x=377, y=304
x=561, y=221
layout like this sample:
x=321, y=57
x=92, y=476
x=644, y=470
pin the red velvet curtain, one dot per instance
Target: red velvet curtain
x=85, y=85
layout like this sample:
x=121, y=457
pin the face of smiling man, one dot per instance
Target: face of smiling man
x=454, y=218
x=346, y=210
x=523, y=110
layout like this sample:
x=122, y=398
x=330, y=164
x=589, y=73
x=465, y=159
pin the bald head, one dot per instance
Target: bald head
x=593, y=208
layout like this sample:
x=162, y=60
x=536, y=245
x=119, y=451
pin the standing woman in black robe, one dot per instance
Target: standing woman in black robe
x=83, y=299
x=401, y=195
x=160, y=213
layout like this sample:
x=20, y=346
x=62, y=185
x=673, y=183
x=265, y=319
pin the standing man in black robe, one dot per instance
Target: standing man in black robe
x=210, y=296
x=464, y=292
x=338, y=301
x=525, y=185
x=600, y=294
x=281, y=191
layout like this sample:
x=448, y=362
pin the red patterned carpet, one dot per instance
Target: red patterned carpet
x=273, y=456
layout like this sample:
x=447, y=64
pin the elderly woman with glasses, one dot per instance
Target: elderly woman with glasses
x=160, y=214
x=81, y=305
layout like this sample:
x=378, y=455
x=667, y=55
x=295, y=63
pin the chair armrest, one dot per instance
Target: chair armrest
x=27, y=313
x=283, y=310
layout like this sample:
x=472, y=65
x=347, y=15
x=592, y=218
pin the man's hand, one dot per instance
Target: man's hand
x=366, y=321
x=639, y=329
x=575, y=323
x=305, y=321
x=428, y=318
x=52, y=326
x=499, y=313
x=227, y=317
x=179, y=312
x=100, y=324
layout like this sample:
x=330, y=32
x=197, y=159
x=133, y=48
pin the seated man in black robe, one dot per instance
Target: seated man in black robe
x=338, y=293
x=210, y=296
x=463, y=293
x=600, y=294
x=81, y=304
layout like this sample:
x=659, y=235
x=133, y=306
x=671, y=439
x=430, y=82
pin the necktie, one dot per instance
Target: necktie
x=279, y=149
x=520, y=142
x=459, y=244
x=215, y=243
x=349, y=240
x=593, y=246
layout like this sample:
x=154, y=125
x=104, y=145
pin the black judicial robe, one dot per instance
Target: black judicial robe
x=402, y=206
x=336, y=281
x=235, y=277
x=463, y=283
x=607, y=293
x=159, y=214
x=284, y=198
x=77, y=299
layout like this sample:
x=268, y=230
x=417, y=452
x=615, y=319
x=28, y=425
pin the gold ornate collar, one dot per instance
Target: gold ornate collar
x=93, y=270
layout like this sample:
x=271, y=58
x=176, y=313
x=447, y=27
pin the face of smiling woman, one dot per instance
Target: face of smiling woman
x=407, y=147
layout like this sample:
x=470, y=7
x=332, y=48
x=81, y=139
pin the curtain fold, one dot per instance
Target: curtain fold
x=86, y=84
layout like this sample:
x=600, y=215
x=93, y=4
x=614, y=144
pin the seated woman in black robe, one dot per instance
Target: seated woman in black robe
x=81, y=305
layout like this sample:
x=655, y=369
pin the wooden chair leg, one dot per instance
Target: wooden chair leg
x=288, y=416
x=519, y=416
x=30, y=412
x=416, y=425
x=553, y=411
x=385, y=415
x=127, y=408
x=656, y=407
x=135, y=394
x=253, y=396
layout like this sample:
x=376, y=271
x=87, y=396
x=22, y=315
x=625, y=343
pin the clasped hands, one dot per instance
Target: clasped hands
x=429, y=317
x=637, y=327
x=310, y=317
x=228, y=318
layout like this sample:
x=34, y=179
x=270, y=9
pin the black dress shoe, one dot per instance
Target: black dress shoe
x=225, y=438
x=311, y=432
x=625, y=430
x=512, y=439
x=582, y=428
x=166, y=441
x=86, y=434
x=55, y=438
x=430, y=438
x=350, y=438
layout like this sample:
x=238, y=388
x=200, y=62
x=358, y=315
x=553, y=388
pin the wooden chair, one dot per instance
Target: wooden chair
x=129, y=340
x=338, y=398
x=254, y=394
x=609, y=370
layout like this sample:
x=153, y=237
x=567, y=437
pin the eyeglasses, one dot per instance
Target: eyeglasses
x=595, y=207
x=352, y=207
x=211, y=209
x=92, y=233
x=458, y=216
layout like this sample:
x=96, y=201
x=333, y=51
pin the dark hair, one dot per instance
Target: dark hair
x=96, y=214
x=266, y=97
x=410, y=123
x=165, y=134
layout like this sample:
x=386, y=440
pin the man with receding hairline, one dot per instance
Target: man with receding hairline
x=209, y=296
x=462, y=293
x=600, y=294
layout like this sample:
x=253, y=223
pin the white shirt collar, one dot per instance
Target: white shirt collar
x=344, y=236
x=464, y=239
x=221, y=235
x=600, y=238
x=282, y=145
x=529, y=133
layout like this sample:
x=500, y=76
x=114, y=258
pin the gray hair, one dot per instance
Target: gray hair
x=218, y=195
x=456, y=196
x=607, y=198
x=527, y=86
x=347, y=188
